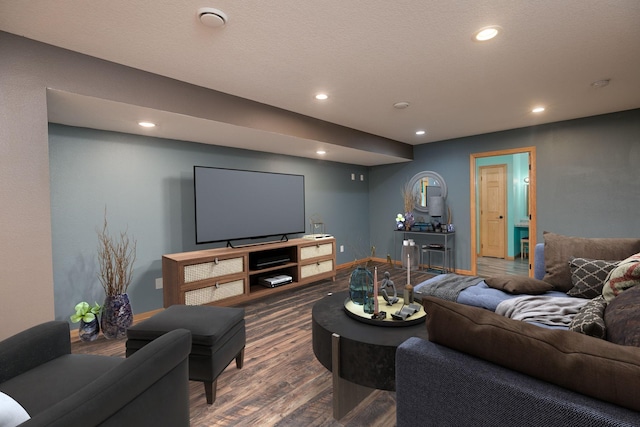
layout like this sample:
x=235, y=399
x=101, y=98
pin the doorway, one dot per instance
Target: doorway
x=512, y=225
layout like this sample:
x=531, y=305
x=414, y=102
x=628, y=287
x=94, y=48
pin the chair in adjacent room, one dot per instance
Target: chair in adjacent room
x=524, y=247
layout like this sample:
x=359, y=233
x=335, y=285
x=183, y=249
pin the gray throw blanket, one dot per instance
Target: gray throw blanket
x=552, y=311
x=448, y=286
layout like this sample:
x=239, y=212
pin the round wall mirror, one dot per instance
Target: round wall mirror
x=424, y=185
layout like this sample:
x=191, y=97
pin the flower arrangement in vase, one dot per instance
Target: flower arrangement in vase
x=116, y=256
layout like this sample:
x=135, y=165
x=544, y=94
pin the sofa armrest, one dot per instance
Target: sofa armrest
x=451, y=388
x=33, y=347
x=149, y=388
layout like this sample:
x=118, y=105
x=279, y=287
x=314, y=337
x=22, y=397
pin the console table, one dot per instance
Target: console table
x=361, y=356
x=423, y=238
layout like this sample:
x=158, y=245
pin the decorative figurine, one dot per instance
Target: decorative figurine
x=387, y=282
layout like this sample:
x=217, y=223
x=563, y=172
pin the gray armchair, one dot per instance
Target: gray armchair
x=58, y=388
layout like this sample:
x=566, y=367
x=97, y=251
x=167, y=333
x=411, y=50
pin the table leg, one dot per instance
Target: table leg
x=346, y=395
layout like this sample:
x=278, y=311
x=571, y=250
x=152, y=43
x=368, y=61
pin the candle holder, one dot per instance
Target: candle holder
x=408, y=293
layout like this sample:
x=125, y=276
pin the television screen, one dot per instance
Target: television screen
x=233, y=204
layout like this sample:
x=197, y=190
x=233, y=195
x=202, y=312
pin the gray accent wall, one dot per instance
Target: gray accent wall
x=146, y=185
x=586, y=186
x=587, y=179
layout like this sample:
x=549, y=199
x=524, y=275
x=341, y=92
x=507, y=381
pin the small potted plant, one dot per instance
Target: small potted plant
x=88, y=318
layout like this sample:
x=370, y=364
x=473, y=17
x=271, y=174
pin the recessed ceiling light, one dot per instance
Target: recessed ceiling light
x=321, y=152
x=147, y=124
x=486, y=33
x=538, y=110
x=420, y=132
x=401, y=105
x=322, y=96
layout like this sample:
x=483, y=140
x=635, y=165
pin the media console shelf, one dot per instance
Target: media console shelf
x=228, y=276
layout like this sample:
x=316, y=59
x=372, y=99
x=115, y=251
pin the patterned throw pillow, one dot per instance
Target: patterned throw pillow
x=588, y=276
x=626, y=275
x=590, y=319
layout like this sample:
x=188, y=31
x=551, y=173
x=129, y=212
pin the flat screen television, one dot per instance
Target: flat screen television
x=232, y=204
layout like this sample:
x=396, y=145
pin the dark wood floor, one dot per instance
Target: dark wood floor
x=282, y=383
x=488, y=267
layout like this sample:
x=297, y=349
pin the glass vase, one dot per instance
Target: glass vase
x=361, y=288
x=116, y=316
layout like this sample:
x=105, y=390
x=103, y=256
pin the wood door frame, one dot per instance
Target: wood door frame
x=531, y=151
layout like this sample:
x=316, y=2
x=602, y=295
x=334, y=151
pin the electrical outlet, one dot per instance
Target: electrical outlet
x=361, y=177
x=341, y=248
x=353, y=177
x=159, y=283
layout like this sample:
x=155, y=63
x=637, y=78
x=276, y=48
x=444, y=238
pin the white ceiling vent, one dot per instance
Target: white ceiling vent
x=211, y=17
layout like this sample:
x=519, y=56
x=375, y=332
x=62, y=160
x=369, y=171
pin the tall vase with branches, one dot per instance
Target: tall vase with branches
x=116, y=256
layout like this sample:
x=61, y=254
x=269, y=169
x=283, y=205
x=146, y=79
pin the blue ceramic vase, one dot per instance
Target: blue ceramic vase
x=89, y=331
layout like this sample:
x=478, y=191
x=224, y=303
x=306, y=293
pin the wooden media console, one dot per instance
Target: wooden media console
x=228, y=276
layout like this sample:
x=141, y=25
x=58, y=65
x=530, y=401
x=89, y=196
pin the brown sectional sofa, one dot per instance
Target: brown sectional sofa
x=480, y=368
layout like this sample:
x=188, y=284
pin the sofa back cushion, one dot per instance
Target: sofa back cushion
x=559, y=249
x=578, y=362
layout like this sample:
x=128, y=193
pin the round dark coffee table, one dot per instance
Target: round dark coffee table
x=364, y=354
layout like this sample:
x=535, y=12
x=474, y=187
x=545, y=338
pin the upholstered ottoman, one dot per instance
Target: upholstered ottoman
x=217, y=337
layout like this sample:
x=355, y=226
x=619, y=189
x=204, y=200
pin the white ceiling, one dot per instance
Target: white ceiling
x=366, y=56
